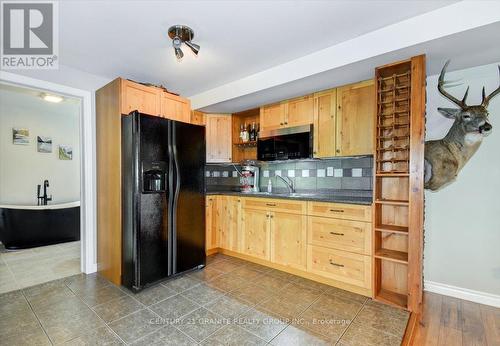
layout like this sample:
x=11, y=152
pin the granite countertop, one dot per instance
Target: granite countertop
x=300, y=197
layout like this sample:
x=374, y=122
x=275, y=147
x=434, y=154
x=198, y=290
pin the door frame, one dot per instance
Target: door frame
x=88, y=258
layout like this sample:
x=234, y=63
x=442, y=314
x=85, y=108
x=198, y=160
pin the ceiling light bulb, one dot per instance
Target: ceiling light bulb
x=176, y=42
x=52, y=98
x=194, y=47
x=178, y=53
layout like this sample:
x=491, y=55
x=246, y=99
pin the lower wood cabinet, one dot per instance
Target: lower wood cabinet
x=211, y=220
x=256, y=233
x=288, y=239
x=314, y=239
x=340, y=265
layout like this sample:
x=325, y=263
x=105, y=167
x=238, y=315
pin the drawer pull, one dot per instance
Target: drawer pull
x=335, y=233
x=337, y=210
x=336, y=264
x=271, y=204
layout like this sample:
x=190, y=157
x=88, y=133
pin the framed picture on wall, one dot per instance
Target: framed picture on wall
x=20, y=136
x=44, y=144
x=65, y=152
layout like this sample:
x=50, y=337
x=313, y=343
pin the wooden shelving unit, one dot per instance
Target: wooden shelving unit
x=398, y=184
x=244, y=151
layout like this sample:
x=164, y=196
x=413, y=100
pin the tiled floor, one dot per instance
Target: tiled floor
x=24, y=268
x=230, y=302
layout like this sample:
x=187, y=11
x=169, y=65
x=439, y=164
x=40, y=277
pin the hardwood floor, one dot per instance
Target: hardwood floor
x=452, y=321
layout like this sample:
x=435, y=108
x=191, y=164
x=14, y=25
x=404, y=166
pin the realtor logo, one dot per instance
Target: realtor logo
x=29, y=35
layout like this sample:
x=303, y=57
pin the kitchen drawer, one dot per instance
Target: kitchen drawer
x=347, y=235
x=341, y=211
x=283, y=205
x=340, y=265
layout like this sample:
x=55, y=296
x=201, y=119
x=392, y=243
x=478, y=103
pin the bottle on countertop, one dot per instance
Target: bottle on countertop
x=269, y=186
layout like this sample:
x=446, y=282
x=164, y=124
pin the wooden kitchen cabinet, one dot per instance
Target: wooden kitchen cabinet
x=325, y=112
x=295, y=112
x=355, y=119
x=300, y=111
x=272, y=116
x=211, y=221
x=175, y=107
x=288, y=239
x=139, y=97
x=218, y=137
x=198, y=118
x=256, y=233
x=228, y=224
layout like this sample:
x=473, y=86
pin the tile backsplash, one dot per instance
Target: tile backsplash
x=353, y=175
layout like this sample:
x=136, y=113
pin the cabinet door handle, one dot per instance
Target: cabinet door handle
x=286, y=122
x=336, y=264
x=335, y=233
x=271, y=204
x=337, y=210
x=272, y=216
x=337, y=151
x=281, y=124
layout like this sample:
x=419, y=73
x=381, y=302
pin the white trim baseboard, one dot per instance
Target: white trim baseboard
x=463, y=293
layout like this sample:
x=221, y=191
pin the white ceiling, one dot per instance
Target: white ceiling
x=238, y=38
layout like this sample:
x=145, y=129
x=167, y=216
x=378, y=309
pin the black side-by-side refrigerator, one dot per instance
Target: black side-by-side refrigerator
x=163, y=199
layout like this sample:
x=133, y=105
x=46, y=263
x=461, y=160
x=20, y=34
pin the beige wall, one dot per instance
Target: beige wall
x=462, y=221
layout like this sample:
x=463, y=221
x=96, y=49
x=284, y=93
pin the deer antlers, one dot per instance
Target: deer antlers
x=487, y=99
x=461, y=103
x=450, y=97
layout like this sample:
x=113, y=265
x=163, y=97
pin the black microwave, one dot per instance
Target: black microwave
x=285, y=144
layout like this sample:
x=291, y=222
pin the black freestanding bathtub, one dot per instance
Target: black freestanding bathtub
x=29, y=226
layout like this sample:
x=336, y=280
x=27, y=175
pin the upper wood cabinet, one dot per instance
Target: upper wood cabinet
x=153, y=101
x=198, y=118
x=218, y=137
x=272, y=116
x=175, y=107
x=300, y=111
x=355, y=119
x=325, y=112
x=294, y=112
x=343, y=120
x=139, y=97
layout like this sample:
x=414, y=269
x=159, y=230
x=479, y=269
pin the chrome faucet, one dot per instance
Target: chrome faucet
x=44, y=199
x=288, y=182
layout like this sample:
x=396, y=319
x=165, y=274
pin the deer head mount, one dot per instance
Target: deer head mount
x=444, y=158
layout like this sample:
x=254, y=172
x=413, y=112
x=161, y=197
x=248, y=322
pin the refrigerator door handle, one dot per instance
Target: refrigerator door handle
x=175, y=198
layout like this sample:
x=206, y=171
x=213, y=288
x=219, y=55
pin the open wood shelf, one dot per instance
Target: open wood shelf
x=392, y=298
x=399, y=139
x=392, y=202
x=392, y=229
x=392, y=174
x=392, y=255
x=246, y=144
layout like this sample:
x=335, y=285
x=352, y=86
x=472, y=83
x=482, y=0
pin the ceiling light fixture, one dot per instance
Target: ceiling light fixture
x=182, y=34
x=52, y=98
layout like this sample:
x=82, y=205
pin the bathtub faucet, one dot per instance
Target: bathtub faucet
x=44, y=199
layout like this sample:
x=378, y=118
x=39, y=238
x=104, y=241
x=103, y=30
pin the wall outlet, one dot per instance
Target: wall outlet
x=329, y=171
x=277, y=172
x=305, y=173
x=225, y=174
x=291, y=173
x=338, y=173
x=321, y=173
x=235, y=174
x=265, y=174
x=216, y=174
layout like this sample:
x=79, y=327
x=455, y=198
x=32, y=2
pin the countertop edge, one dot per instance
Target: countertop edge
x=329, y=199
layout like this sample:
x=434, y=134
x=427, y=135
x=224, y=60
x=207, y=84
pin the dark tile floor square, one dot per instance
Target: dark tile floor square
x=230, y=301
